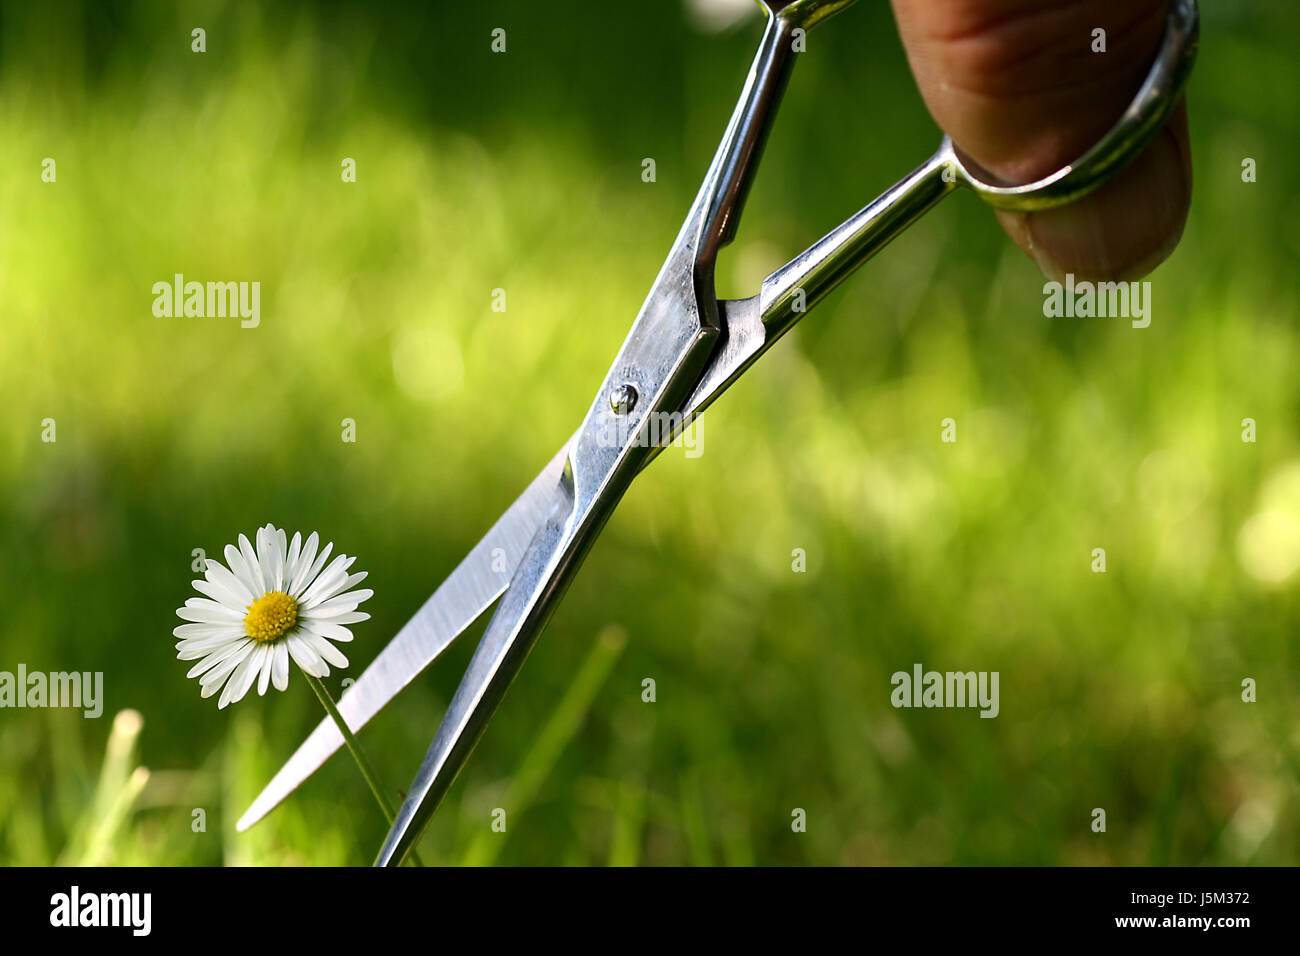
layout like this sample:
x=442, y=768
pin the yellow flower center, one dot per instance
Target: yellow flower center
x=270, y=616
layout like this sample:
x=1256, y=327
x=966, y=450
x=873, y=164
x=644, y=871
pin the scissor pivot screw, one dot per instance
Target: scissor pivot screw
x=622, y=399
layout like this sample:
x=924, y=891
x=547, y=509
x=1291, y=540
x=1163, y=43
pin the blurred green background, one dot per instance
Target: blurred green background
x=522, y=171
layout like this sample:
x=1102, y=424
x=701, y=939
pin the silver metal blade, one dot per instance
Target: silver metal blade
x=474, y=585
x=466, y=593
x=744, y=339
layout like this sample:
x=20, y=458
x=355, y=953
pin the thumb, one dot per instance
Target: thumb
x=1025, y=86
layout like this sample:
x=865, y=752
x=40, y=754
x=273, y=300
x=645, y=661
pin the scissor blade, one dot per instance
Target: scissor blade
x=482, y=577
x=470, y=589
x=514, y=625
x=744, y=339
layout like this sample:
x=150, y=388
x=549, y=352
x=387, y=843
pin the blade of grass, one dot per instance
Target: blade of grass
x=550, y=743
x=99, y=845
x=117, y=777
x=694, y=827
x=70, y=770
x=629, y=822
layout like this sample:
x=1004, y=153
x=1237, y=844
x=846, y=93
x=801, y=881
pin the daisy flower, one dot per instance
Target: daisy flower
x=272, y=603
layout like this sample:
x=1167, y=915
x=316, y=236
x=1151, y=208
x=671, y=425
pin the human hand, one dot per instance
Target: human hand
x=1019, y=88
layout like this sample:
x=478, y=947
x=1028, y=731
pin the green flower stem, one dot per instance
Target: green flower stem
x=359, y=755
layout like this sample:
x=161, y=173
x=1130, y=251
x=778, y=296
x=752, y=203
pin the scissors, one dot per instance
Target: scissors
x=684, y=349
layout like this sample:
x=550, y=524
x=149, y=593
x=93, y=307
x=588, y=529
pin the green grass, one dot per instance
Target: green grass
x=1119, y=691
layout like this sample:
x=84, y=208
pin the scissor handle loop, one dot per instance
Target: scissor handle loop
x=1150, y=108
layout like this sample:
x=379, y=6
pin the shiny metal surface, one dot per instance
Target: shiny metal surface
x=664, y=355
x=1145, y=115
x=789, y=292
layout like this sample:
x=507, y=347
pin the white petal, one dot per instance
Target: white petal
x=242, y=572
x=223, y=589
x=193, y=649
x=263, y=553
x=227, y=666
x=242, y=679
x=190, y=631
x=231, y=662
x=322, y=558
x=280, y=665
x=305, y=561
x=277, y=560
x=305, y=657
x=334, y=580
x=264, y=677
x=291, y=560
x=284, y=558
x=343, y=602
x=266, y=557
x=214, y=678
x=235, y=614
x=204, y=615
x=218, y=574
x=256, y=578
x=311, y=573
x=336, y=587
x=325, y=649
x=215, y=658
x=335, y=632
x=335, y=616
x=328, y=581
x=271, y=549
